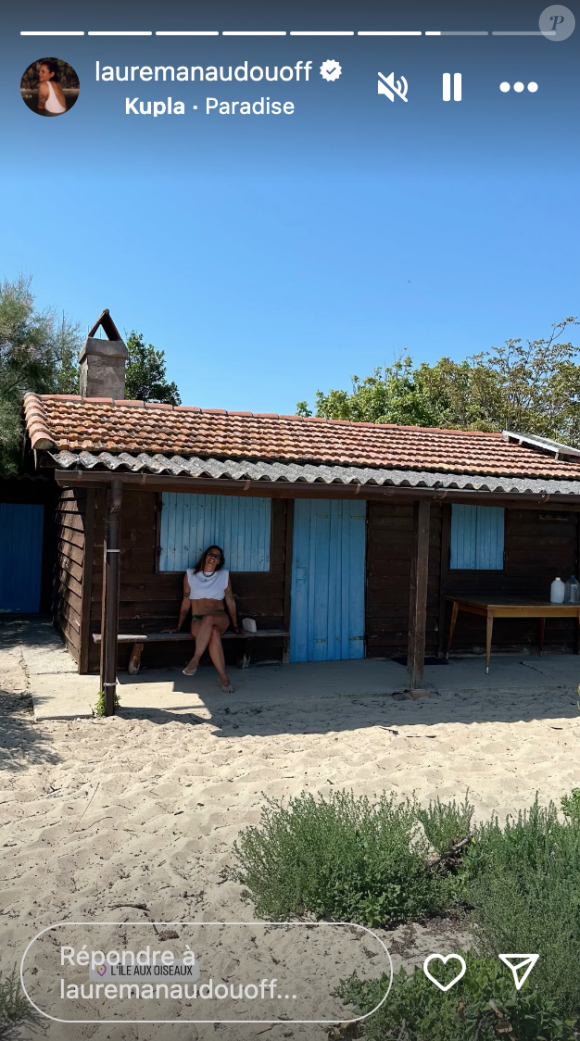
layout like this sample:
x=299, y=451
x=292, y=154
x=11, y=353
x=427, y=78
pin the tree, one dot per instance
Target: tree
x=530, y=386
x=145, y=375
x=37, y=352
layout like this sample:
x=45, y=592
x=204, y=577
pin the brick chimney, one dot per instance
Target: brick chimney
x=103, y=362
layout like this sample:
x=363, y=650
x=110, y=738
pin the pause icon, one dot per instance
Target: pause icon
x=457, y=79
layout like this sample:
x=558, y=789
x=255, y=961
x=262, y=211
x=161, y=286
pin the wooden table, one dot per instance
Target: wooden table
x=508, y=607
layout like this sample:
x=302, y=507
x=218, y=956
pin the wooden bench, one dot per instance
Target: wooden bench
x=138, y=640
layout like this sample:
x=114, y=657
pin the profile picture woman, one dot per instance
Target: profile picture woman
x=50, y=93
x=49, y=87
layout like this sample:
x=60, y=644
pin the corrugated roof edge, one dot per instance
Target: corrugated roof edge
x=245, y=469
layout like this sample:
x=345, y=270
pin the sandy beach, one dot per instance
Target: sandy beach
x=129, y=810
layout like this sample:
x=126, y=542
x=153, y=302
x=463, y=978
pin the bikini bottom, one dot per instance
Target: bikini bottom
x=198, y=617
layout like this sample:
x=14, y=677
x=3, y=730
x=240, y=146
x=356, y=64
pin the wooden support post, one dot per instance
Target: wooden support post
x=418, y=597
x=110, y=602
x=135, y=659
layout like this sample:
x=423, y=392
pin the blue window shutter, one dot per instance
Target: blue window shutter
x=191, y=523
x=477, y=538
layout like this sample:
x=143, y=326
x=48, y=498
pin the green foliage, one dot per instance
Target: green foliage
x=570, y=805
x=340, y=857
x=100, y=703
x=14, y=1006
x=38, y=352
x=145, y=378
x=522, y=881
x=345, y=858
x=531, y=386
x=483, y=1006
x=446, y=823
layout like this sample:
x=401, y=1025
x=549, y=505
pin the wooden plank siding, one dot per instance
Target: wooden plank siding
x=389, y=549
x=70, y=520
x=150, y=599
x=539, y=545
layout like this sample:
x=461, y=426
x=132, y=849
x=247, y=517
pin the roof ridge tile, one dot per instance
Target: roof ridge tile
x=64, y=397
x=38, y=430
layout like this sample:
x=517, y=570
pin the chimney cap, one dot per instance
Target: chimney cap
x=102, y=362
x=107, y=324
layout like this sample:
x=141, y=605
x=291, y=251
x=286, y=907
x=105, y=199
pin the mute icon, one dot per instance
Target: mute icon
x=457, y=86
x=389, y=88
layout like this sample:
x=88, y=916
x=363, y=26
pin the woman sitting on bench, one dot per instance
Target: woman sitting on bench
x=205, y=589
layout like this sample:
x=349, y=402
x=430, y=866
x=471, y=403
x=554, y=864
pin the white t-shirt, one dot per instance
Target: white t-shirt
x=207, y=587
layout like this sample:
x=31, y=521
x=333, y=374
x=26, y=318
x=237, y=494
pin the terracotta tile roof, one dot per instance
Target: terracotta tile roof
x=73, y=424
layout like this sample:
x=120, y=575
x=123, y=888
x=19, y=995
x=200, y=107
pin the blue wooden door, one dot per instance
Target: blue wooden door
x=20, y=557
x=328, y=580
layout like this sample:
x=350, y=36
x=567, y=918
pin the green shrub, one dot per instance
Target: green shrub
x=14, y=1006
x=446, y=823
x=570, y=805
x=341, y=858
x=483, y=1006
x=100, y=703
x=523, y=883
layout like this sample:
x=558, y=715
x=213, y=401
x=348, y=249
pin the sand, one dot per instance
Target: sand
x=135, y=811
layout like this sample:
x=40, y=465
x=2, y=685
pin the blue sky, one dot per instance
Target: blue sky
x=271, y=256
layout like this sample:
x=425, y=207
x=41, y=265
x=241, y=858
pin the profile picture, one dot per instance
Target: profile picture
x=50, y=87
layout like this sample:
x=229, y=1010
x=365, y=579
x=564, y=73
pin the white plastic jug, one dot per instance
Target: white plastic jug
x=557, y=590
x=572, y=591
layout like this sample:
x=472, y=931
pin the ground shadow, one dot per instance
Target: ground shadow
x=273, y=700
x=161, y=715
x=22, y=744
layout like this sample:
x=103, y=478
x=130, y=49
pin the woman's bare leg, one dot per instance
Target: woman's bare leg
x=217, y=656
x=201, y=631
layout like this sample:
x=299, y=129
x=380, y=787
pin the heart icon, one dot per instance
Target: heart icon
x=101, y=969
x=444, y=958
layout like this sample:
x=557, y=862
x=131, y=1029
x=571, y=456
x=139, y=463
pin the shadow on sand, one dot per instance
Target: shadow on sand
x=310, y=699
x=22, y=744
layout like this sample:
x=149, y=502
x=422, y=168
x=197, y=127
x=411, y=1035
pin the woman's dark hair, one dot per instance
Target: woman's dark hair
x=52, y=67
x=201, y=561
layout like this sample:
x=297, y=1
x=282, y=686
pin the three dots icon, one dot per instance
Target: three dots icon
x=518, y=87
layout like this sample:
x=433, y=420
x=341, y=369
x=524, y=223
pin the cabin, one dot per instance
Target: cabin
x=343, y=539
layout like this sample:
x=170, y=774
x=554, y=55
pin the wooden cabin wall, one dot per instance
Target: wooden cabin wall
x=68, y=569
x=539, y=545
x=389, y=547
x=150, y=600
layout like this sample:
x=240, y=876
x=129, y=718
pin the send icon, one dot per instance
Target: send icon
x=517, y=963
